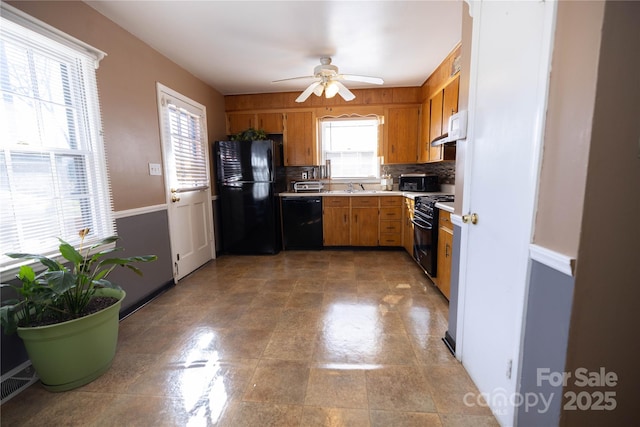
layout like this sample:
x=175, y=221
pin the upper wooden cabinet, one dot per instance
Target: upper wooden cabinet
x=425, y=121
x=443, y=104
x=238, y=122
x=402, y=134
x=299, y=139
x=450, y=102
x=268, y=122
x=435, y=123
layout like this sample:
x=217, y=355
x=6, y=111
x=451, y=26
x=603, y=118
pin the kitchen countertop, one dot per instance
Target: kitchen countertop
x=445, y=206
x=340, y=193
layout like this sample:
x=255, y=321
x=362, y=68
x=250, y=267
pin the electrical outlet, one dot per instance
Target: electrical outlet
x=155, y=169
x=305, y=175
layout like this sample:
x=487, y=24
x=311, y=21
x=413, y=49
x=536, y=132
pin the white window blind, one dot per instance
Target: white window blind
x=351, y=144
x=186, y=130
x=53, y=176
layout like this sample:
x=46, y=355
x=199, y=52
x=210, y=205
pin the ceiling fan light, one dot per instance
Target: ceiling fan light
x=331, y=90
x=318, y=90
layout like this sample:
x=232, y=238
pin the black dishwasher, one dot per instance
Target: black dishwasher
x=302, y=222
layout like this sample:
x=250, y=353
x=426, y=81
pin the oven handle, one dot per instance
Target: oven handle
x=421, y=225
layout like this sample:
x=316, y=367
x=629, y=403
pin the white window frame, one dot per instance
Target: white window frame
x=84, y=60
x=363, y=179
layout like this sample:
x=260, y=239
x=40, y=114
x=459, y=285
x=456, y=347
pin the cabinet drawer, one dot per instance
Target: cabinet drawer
x=390, y=239
x=390, y=201
x=390, y=226
x=445, y=220
x=335, y=202
x=364, y=202
x=391, y=213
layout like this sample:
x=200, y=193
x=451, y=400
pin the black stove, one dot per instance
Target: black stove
x=425, y=205
x=425, y=221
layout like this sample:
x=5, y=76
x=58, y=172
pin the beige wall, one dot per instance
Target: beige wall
x=567, y=136
x=127, y=83
x=605, y=315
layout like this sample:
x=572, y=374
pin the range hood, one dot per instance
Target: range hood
x=457, y=129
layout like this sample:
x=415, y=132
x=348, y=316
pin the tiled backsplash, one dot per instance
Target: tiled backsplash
x=446, y=171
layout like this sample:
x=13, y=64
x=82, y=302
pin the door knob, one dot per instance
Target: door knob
x=175, y=198
x=473, y=218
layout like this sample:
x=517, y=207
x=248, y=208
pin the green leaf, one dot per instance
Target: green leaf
x=26, y=273
x=105, y=241
x=61, y=281
x=106, y=284
x=47, y=262
x=70, y=253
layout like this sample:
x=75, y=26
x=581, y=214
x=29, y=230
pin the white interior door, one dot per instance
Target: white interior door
x=508, y=87
x=186, y=154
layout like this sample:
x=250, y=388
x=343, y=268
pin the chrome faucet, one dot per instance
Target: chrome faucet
x=350, y=187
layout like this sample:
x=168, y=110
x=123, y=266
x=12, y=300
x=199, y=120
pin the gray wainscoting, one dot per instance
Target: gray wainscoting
x=144, y=234
x=545, y=345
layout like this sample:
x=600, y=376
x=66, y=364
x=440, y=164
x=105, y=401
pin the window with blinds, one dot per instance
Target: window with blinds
x=188, y=148
x=184, y=128
x=53, y=177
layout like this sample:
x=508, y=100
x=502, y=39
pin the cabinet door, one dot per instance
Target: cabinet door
x=407, y=225
x=298, y=139
x=364, y=226
x=238, y=122
x=271, y=122
x=445, y=245
x=335, y=224
x=450, y=102
x=402, y=135
x=425, y=140
x=435, y=128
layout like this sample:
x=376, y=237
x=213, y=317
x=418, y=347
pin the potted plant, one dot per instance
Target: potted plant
x=67, y=315
x=250, y=134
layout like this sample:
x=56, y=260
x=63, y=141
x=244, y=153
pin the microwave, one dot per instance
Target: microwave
x=419, y=182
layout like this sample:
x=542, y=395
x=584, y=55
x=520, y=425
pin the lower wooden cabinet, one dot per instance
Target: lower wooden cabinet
x=407, y=225
x=364, y=221
x=391, y=221
x=336, y=221
x=445, y=249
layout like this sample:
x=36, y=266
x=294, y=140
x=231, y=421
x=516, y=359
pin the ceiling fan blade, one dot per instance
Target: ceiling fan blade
x=307, y=92
x=363, y=79
x=345, y=93
x=294, y=78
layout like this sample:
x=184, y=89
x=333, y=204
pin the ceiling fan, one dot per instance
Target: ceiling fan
x=329, y=81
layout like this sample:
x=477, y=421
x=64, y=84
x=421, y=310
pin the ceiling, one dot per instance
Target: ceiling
x=240, y=47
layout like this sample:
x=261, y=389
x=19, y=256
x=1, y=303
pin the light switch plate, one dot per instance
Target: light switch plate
x=155, y=169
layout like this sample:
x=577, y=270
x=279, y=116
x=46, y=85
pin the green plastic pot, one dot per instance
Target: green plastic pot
x=71, y=354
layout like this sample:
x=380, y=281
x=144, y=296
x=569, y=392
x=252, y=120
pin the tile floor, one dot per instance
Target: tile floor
x=327, y=338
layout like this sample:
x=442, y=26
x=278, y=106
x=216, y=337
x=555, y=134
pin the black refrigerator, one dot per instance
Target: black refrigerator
x=250, y=176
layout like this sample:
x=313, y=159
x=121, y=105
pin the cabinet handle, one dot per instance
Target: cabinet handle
x=446, y=250
x=345, y=218
x=356, y=219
